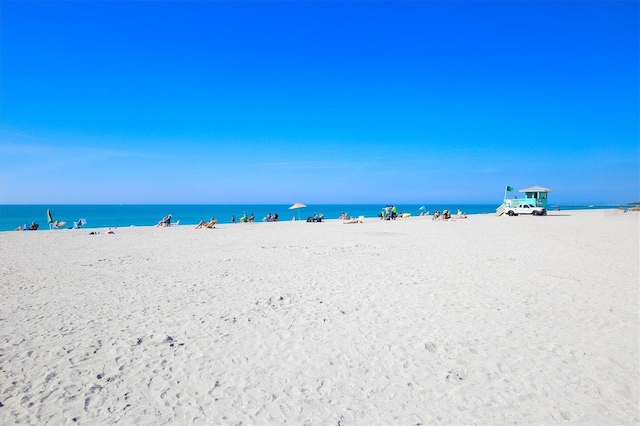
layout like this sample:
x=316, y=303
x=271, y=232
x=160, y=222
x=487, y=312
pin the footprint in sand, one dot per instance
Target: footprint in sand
x=431, y=347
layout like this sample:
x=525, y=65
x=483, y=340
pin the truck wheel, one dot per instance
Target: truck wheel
x=510, y=213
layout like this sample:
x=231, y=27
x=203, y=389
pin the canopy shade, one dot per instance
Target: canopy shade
x=536, y=189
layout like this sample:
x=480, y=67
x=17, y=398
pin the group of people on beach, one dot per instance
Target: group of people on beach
x=316, y=217
x=55, y=225
x=242, y=219
x=270, y=217
x=33, y=227
x=389, y=212
x=446, y=215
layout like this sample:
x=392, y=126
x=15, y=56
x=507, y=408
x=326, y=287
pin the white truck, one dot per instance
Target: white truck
x=526, y=209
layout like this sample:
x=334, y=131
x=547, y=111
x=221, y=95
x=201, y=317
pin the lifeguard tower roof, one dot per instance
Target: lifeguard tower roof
x=535, y=189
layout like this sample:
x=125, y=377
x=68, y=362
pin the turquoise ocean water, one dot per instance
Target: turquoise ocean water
x=106, y=216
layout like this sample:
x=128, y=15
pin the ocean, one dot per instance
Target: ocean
x=114, y=216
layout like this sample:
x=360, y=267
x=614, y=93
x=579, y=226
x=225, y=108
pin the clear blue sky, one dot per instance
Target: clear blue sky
x=318, y=102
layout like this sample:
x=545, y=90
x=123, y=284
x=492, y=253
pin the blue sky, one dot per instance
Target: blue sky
x=319, y=102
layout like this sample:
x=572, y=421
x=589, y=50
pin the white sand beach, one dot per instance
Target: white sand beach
x=486, y=320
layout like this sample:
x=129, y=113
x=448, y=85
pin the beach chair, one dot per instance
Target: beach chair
x=79, y=224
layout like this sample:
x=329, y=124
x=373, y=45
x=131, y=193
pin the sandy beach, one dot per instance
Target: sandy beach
x=487, y=320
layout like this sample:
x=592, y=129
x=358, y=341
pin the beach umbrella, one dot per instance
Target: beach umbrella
x=297, y=206
x=50, y=218
x=421, y=208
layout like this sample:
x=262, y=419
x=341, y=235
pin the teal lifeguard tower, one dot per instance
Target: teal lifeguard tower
x=534, y=195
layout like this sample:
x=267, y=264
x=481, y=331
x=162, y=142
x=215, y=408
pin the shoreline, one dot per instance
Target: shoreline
x=326, y=220
x=104, y=216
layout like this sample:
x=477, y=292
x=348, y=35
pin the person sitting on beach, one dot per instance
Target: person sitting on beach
x=33, y=227
x=436, y=215
x=252, y=218
x=446, y=215
x=315, y=218
x=344, y=216
x=350, y=221
x=165, y=221
x=211, y=224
